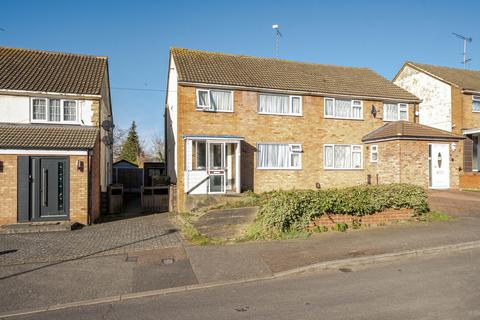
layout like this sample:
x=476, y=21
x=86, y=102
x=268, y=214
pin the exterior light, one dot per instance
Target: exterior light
x=454, y=146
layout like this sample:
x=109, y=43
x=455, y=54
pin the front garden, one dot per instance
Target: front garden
x=296, y=213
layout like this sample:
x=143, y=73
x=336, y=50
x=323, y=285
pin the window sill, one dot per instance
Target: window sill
x=282, y=169
x=280, y=114
x=338, y=118
x=212, y=111
x=334, y=169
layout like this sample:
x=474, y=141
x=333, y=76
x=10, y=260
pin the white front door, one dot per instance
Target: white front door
x=439, y=156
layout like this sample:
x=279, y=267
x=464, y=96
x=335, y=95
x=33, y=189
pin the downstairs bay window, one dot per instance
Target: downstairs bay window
x=279, y=156
x=343, y=156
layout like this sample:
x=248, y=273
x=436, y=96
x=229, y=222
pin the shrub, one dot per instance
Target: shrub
x=286, y=211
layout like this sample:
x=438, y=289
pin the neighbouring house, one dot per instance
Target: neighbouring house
x=55, y=136
x=237, y=123
x=451, y=102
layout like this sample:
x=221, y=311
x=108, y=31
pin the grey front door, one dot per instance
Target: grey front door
x=49, y=188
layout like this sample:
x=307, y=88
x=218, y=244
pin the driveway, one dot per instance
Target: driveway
x=455, y=203
x=117, y=237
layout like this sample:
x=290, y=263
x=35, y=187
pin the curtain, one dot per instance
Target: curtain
x=328, y=157
x=296, y=105
x=273, y=155
x=357, y=157
x=329, y=107
x=343, y=108
x=273, y=104
x=54, y=110
x=39, y=109
x=390, y=111
x=342, y=157
x=476, y=106
x=357, y=112
x=221, y=100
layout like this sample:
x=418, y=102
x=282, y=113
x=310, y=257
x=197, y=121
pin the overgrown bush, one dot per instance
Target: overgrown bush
x=287, y=211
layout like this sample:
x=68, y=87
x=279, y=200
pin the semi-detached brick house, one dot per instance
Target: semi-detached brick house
x=451, y=102
x=237, y=123
x=55, y=156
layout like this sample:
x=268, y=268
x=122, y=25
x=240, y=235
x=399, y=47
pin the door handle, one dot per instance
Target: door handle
x=45, y=187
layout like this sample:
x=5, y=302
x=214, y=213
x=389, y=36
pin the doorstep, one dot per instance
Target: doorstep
x=36, y=227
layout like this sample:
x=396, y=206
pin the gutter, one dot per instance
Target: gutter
x=393, y=138
x=310, y=93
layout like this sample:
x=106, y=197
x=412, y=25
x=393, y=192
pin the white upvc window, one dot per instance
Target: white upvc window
x=39, y=110
x=476, y=103
x=395, y=111
x=343, y=108
x=279, y=156
x=279, y=104
x=374, y=153
x=342, y=156
x=214, y=100
x=54, y=110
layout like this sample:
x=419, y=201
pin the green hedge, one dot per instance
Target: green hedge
x=286, y=211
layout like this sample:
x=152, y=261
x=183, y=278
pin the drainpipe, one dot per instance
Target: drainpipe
x=90, y=193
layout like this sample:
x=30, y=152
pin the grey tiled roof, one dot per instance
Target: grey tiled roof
x=405, y=129
x=43, y=71
x=465, y=79
x=47, y=137
x=227, y=69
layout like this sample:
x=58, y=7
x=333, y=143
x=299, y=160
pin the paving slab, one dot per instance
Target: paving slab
x=226, y=223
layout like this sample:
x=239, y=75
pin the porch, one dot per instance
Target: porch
x=212, y=165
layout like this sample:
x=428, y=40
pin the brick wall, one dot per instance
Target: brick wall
x=96, y=181
x=96, y=113
x=78, y=190
x=8, y=189
x=311, y=130
x=406, y=161
x=388, y=216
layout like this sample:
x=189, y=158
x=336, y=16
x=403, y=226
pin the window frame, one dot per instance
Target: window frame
x=47, y=111
x=291, y=152
x=352, y=105
x=209, y=108
x=372, y=152
x=351, y=156
x=32, y=120
x=475, y=99
x=400, y=105
x=290, y=105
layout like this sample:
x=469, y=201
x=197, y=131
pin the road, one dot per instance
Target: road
x=446, y=286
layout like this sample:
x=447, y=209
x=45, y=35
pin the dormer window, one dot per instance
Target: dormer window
x=54, y=110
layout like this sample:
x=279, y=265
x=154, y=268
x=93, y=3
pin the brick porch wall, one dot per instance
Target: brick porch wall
x=380, y=218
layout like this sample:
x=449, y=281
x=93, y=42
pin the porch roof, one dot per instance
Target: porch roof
x=398, y=130
x=205, y=137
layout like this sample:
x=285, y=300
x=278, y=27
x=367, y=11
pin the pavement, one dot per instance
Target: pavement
x=438, y=287
x=147, y=253
x=226, y=223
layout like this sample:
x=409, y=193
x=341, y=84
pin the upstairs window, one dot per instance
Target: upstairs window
x=39, y=109
x=279, y=104
x=343, y=156
x=54, y=110
x=395, y=111
x=476, y=103
x=343, y=109
x=214, y=100
x=279, y=156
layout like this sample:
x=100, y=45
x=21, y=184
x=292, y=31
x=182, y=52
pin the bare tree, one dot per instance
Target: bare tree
x=119, y=136
x=158, y=147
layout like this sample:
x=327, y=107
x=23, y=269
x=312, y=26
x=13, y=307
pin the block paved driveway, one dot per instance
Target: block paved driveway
x=135, y=234
x=455, y=203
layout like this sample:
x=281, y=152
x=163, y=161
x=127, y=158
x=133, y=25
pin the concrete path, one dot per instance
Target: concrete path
x=226, y=223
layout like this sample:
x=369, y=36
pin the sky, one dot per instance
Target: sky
x=137, y=35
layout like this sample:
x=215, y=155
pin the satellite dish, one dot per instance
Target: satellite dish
x=108, y=125
x=107, y=140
